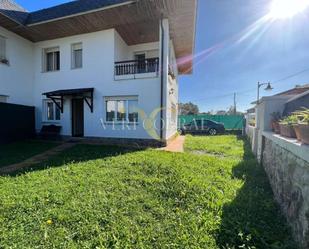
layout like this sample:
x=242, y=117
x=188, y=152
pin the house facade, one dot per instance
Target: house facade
x=106, y=69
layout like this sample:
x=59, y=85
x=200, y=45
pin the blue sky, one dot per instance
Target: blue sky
x=235, y=48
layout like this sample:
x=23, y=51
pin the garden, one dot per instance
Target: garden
x=215, y=195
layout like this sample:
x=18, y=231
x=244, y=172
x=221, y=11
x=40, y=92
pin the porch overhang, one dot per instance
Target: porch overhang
x=85, y=93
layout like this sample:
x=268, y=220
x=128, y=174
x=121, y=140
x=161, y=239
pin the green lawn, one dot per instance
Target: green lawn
x=219, y=145
x=108, y=197
x=20, y=151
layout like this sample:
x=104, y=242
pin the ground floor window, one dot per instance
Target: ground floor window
x=51, y=111
x=121, y=109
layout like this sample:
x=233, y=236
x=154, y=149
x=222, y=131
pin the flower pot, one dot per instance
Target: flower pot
x=277, y=127
x=304, y=133
x=297, y=132
x=287, y=130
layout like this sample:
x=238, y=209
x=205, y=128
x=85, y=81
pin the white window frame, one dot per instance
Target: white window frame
x=45, y=51
x=45, y=119
x=116, y=99
x=73, y=62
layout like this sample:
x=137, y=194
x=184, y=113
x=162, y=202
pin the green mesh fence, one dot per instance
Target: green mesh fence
x=231, y=122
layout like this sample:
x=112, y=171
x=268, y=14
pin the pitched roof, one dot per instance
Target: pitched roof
x=137, y=21
x=17, y=13
x=13, y=11
x=68, y=9
x=299, y=89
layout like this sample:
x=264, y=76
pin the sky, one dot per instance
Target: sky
x=236, y=47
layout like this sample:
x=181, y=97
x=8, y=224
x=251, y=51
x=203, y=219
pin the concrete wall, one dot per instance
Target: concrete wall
x=252, y=134
x=16, y=79
x=287, y=166
x=264, y=109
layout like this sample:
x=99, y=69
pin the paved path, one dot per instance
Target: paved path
x=177, y=145
x=36, y=159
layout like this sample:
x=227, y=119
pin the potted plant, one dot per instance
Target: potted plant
x=304, y=125
x=286, y=126
x=296, y=125
x=275, y=118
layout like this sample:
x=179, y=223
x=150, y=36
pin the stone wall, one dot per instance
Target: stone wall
x=288, y=172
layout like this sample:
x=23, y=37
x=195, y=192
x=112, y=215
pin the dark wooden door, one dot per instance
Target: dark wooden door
x=77, y=117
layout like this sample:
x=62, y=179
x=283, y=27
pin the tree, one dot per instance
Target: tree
x=188, y=109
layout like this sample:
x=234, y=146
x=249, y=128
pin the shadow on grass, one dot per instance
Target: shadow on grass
x=76, y=154
x=253, y=219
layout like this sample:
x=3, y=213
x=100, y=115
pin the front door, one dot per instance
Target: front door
x=77, y=117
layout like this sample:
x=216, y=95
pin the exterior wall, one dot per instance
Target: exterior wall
x=168, y=83
x=287, y=166
x=100, y=50
x=252, y=135
x=25, y=82
x=267, y=106
x=16, y=79
x=172, y=96
x=297, y=104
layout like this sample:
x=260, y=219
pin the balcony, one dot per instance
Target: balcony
x=137, y=69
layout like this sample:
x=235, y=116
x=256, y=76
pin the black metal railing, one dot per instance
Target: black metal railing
x=150, y=65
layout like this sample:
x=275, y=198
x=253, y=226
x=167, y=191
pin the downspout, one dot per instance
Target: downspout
x=162, y=81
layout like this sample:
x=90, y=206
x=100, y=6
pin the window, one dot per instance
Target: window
x=122, y=109
x=132, y=110
x=2, y=48
x=77, y=55
x=141, y=62
x=51, y=111
x=51, y=59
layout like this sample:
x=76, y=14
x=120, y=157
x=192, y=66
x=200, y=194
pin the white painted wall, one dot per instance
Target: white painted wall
x=25, y=82
x=172, y=94
x=264, y=109
x=100, y=50
x=16, y=79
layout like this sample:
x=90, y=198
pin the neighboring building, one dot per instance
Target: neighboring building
x=298, y=89
x=85, y=65
x=284, y=103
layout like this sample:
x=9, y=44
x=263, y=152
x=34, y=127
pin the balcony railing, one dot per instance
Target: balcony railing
x=150, y=65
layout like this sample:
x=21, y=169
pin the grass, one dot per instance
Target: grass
x=228, y=145
x=20, y=151
x=108, y=197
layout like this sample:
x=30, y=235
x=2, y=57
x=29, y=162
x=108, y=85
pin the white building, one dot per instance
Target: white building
x=99, y=68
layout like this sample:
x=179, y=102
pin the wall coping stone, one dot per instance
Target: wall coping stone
x=290, y=144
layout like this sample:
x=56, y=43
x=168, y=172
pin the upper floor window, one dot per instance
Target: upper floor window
x=77, y=55
x=51, y=111
x=3, y=58
x=51, y=59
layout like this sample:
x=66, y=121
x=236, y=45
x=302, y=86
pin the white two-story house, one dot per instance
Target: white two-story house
x=99, y=68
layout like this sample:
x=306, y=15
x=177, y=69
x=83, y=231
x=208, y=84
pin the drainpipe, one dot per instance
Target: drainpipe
x=162, y=80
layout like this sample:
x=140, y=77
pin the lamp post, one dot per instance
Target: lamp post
x=268, y=88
